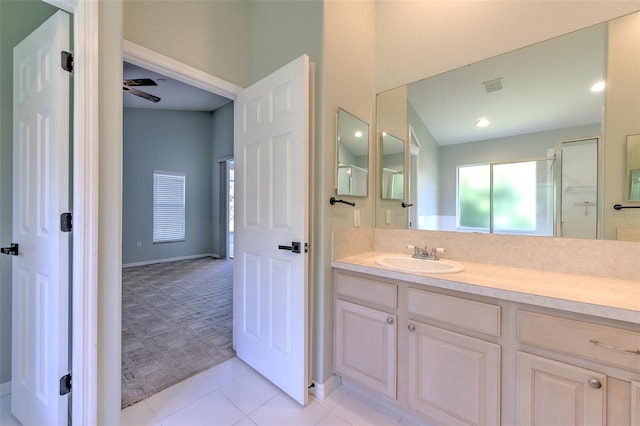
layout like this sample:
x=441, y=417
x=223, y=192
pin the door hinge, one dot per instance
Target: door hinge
x=66, y=61
x=65, y=384
x=66, y=220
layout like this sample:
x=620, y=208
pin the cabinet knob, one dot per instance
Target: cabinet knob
x=389, y=320
x=411, y=327
x=594, y=383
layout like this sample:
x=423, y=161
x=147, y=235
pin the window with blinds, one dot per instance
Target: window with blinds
x=168, y=207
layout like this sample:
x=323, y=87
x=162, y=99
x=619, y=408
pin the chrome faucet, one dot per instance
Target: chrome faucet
x=425, y=253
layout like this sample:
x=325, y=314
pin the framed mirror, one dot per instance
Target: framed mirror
x=352, y=167
x=633, y=168
x=517, y=108
x=392, y=167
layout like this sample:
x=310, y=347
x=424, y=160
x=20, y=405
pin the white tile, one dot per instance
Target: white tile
x=332, y=420
x=249, y=391
x=138, y=415
x=224, y=373
x=212, y=409
x=246, y=421
x=358, y=412
x=282, y=410
x=334, y=398
x=6, y=418
x=178, y=396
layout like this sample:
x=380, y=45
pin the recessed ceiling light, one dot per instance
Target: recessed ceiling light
x=598, y=87
x=483, y=122
x=358, y=134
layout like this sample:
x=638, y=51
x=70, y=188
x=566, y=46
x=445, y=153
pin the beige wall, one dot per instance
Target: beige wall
x=208, y=35
x=622, y=118
x=348, y=83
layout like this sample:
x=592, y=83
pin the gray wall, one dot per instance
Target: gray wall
x=178, y=141
x=428, y=165
x=522, y=147
x=17, y=20
x=222, y=136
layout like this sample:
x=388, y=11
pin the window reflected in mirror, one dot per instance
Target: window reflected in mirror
x=352, y=175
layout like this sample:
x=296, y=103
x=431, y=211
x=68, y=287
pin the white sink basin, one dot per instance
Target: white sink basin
x=411, y=264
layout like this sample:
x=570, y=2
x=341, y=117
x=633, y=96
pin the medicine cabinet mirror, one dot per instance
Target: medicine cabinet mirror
x=352, y=171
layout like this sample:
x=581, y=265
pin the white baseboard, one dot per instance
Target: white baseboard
x=5, y=388
x=171, y=259
x=322, y=390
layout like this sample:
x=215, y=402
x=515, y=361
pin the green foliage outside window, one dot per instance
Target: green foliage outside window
x=514, y=196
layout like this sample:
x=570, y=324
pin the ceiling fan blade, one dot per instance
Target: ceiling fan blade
x=142, y=94
x=140, y=82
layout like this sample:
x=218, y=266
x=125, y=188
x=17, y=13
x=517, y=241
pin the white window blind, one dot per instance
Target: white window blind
x=168, y=207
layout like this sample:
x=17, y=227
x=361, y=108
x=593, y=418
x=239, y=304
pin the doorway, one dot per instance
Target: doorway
x=577, y=188
x=174, y=128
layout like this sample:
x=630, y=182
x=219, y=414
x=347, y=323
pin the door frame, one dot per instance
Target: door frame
x=84, y=284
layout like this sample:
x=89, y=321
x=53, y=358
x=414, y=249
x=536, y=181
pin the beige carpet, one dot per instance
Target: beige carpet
x=176, y=322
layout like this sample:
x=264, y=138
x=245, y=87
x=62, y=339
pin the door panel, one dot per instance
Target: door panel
x=271, y=175
x=40, y=321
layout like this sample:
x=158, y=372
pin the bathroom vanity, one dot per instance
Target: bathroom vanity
x=490, y=345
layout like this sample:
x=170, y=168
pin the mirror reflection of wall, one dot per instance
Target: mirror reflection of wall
x=633, y=168
x=392, y=171
x=532, y=99
x=352, y=176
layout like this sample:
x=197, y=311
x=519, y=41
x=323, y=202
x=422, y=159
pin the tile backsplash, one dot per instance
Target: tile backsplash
x=603, y=258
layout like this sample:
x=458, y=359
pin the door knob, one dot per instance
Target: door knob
x=11, y=251
x=594, y=383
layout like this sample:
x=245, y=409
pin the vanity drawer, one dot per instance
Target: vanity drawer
x=367, y=290
x=609, y=345
x=469, y=314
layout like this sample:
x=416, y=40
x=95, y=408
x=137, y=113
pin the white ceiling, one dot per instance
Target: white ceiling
x=174, y=94
x=546, y=86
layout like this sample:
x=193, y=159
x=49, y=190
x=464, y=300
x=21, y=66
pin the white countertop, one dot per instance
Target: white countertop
x=602, y=297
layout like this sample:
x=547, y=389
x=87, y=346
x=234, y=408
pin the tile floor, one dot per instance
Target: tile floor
x=232, y=393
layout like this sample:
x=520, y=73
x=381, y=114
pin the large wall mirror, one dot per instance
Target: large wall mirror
x=514, y=144
x=352, y=168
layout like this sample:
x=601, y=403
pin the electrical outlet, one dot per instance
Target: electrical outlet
x=356, y=218
x=138, y=244
x=387, y=217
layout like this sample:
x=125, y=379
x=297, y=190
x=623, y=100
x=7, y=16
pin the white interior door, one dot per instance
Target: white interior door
x=272, y=194
x=40, y=319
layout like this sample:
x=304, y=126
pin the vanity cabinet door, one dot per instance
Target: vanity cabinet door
x=366, y=341
x=453, y=379
x=554, y=393
x=635, y=403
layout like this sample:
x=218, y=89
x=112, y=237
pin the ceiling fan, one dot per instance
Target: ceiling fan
x=128, y=86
